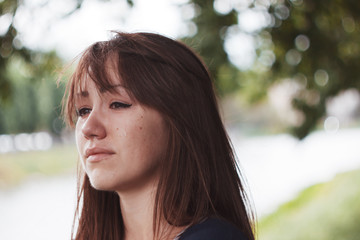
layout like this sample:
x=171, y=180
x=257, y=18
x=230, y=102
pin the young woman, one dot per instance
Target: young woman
x=156, y=160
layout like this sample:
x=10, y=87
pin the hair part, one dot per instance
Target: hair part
x=199, y=174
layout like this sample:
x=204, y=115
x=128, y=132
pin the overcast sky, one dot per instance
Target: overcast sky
x=43, y=27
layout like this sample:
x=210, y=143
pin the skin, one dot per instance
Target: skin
x=120, y=144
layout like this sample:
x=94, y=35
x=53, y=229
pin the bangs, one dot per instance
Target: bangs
x=146, y=66
x=99, y=63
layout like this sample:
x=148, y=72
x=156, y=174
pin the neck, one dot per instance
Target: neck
x=137, y=213
x=137, y=210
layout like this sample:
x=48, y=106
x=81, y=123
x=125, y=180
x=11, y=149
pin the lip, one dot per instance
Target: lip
x=97, y=154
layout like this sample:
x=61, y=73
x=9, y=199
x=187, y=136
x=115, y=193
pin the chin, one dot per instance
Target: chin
x=102, y=186
x=100, y=183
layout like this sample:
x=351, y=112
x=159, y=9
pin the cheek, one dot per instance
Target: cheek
x=78, y=136
x=79, y=140
x=121, y=131
x=154, y=136
x=136, y=139
x=128, y=129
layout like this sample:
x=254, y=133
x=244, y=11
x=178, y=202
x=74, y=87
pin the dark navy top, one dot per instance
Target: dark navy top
x=212, y=229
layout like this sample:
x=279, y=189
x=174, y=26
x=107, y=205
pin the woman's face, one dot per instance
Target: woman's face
x=120, y=142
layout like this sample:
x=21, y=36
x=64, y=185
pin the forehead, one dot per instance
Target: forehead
x=90, y=87
x=104, y=77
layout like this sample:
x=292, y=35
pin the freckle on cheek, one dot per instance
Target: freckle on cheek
x=140, y=128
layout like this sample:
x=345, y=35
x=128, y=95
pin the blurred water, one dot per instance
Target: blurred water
x=276, y=167
x=279, y=167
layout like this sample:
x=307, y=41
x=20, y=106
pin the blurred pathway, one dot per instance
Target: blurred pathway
x=276, y=167
x=41, y=208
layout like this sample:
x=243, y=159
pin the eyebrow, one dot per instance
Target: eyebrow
x=85, y=94
x=102, y=90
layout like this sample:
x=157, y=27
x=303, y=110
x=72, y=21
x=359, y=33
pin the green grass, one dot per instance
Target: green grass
x=16, y=167
x=327, y=211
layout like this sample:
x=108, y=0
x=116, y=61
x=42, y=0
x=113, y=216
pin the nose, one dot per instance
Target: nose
x=93, y=127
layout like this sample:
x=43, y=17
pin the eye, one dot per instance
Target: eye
x=116, y=105
x=82, y=112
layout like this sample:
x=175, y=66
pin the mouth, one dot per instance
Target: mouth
x=97, y=154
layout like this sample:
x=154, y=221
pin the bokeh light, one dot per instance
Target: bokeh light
x=293, y=57
x=331, y=124
x=321, y=77
x=302, y=42
x=38, y=141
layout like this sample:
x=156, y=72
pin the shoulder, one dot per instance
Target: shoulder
x=212, y=229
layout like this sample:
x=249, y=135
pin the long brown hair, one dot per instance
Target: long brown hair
x=199, y=177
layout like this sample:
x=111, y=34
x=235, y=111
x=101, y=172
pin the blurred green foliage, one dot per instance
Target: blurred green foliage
x=34, y=104
x=29, y=98
x=209, y=42
x=326, y=211
x=318, y=46
x=313, y=43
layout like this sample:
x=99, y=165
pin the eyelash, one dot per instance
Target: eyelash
x=114, y=105
x=119, y=105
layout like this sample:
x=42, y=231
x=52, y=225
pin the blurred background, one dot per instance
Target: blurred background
x=287, y=76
